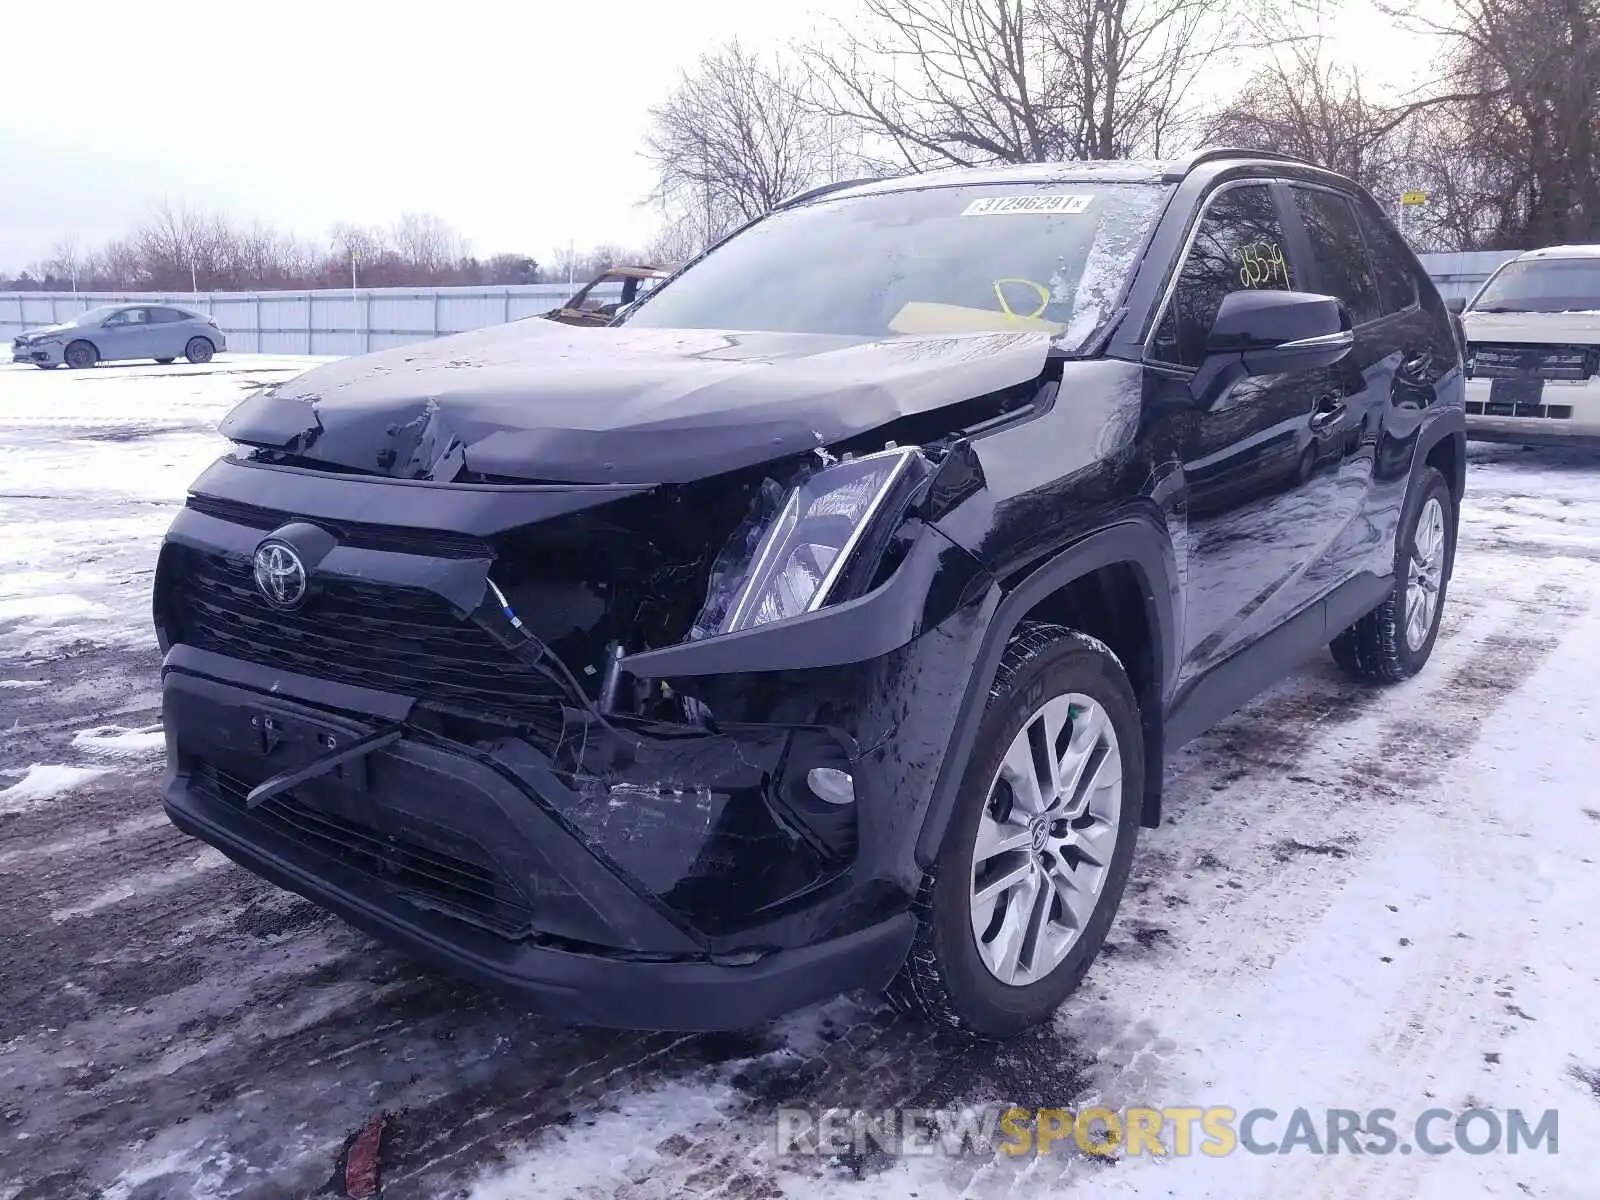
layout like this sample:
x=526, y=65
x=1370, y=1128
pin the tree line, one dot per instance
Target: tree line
x=177, y=249
x=1500, y=135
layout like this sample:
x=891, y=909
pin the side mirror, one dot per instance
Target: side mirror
x=1456, y=305
x=1279, y=332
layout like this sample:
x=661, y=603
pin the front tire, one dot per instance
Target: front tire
x=1037, y=855
x=80, y=355
x=199, y=350
x=47, y=366
x=1395, y=640
x=165, y=362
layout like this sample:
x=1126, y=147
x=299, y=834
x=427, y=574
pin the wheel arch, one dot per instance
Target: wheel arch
x=1442, y=444
x=1121, y=582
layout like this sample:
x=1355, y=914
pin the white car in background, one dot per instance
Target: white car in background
x=1533, y=349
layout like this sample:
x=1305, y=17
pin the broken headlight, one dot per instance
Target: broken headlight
x=807, y=545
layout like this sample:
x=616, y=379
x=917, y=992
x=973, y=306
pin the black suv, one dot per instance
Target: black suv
x=822, y=623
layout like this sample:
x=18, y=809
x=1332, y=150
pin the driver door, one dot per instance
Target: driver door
x=125, y=335
x=1257, y=517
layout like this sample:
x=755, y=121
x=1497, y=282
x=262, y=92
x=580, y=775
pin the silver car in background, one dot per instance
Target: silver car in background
x=119, y=332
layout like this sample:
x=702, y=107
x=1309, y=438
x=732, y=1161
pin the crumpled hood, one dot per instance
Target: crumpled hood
x=539, y=401
x=30, y=334
x=1562, y=328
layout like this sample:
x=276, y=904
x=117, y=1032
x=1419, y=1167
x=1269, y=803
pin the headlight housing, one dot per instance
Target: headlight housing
x=807, y=545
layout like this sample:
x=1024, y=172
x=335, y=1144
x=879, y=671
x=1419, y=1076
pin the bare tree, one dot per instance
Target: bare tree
x=428, y=243
x=963, y=82
x=679, y=239
x=736, y=137
x=583, y=265
x=1323, y=113
x=1516, y=97
x=66, y=260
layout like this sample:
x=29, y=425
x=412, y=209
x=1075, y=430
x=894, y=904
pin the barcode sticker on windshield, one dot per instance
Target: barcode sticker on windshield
x=996, y=206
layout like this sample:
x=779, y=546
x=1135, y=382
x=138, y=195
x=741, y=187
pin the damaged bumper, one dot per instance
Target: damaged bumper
x=650, y=874
x=447, y=858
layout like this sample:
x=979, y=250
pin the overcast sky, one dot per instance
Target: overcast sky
x=519, y=123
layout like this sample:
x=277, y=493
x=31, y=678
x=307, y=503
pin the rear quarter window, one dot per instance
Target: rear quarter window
x=1391, y=260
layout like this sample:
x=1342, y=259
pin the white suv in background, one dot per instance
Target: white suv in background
x=1533, y=349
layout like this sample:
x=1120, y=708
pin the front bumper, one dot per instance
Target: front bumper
x=1564, y=414
x=616, y=875
x=445, y=856
x=35, y=354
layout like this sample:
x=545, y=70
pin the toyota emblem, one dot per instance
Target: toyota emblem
x=280, y=575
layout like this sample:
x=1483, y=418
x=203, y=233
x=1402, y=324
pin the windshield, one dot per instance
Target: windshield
x=936, y=260
x=1543, y=286
x=94, y=315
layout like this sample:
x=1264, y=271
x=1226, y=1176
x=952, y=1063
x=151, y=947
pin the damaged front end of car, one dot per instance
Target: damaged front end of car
x=614, y=746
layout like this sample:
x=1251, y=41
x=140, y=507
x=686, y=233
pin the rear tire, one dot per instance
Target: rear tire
x=199, y=350
x=1062, y=708
x=80, y=355
x=1395, y=640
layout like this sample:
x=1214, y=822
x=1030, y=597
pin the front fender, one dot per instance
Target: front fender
x=1140, y=541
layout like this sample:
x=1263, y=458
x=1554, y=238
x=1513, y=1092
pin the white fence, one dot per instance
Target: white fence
x=315, y=322
x=1463, y=274
x=353, y=322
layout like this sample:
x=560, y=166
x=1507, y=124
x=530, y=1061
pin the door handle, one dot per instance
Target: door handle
x=1417, y=367
x=1330, y=407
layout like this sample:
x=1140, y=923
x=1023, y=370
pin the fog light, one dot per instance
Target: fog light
x=831, y=784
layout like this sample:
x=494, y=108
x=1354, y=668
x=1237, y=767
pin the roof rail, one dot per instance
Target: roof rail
x=1212, y=153
x=822, y=190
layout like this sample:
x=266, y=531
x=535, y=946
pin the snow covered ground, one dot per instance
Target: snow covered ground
x=1361, y=899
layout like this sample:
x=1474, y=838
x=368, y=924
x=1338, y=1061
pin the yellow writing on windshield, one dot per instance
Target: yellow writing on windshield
x=1005, y=305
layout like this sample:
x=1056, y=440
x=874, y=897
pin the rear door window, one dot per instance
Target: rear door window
x=1238, y=245
x=1391, y=261
x=1339, y=251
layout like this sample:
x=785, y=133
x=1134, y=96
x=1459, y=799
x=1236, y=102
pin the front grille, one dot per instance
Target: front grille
x=1549, y=412
x=447, y=874
x=391, y=639
x=360, y=535
x=1512, y=360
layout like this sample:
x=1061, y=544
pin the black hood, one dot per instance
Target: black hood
x=539, y=401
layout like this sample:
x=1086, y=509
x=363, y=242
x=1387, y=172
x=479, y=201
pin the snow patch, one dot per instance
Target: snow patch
x=617, y=1148
x=44, y=782
x=19, y=684
x=143, y=884
x=113, y=739
x=47, y=608
x=204, y=1168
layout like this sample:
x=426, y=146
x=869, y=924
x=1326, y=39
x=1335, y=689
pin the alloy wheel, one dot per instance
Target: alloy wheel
x=1426, y=573
x=1045, y=839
